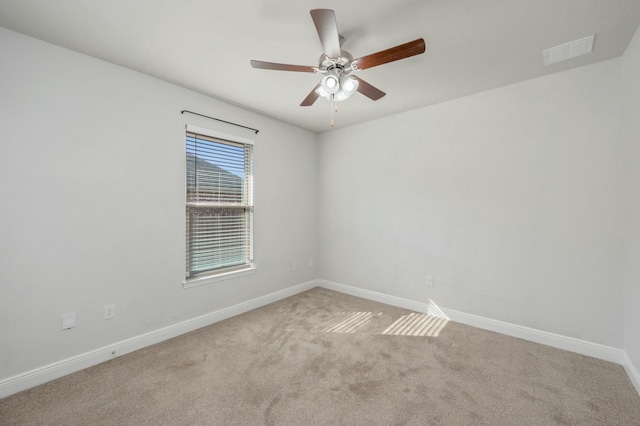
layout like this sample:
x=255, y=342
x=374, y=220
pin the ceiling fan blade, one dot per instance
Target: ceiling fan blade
x=402, y=51
x=281, y=67
x=311, y=97
x=368, y=90
x=327, y=28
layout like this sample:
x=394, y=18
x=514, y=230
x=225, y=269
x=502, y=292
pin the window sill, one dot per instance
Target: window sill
x=210, y=279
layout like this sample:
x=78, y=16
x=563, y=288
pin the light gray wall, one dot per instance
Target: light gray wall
x=92, y=203
x=511, y=198
x=631, y=126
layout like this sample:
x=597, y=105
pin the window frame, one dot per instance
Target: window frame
x=223, y=273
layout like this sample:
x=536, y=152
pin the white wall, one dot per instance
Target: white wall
x=511, y=198
x=631, y=127
x=92, y=203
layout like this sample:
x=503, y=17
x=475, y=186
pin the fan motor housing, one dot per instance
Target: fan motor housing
x=327, y=64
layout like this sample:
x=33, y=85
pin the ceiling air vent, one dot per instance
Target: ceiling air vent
x=568, y=50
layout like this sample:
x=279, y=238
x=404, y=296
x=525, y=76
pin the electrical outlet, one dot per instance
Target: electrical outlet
x=68, y=320
x=109, y=311
x=430, y=280
x=310, y=263
x=293, y=266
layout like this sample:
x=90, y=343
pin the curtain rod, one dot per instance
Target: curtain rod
x=217, y=119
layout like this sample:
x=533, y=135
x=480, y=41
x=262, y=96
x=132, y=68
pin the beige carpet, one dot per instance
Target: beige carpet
x=325, y=358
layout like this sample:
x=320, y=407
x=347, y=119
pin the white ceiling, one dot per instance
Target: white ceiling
x=472, y=45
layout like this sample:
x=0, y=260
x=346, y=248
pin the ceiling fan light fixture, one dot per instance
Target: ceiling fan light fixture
x=348, y=86
x=330, y=84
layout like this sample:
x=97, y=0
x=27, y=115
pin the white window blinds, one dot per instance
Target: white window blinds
x=219, y=204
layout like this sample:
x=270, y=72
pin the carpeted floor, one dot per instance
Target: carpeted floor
x=325, y=358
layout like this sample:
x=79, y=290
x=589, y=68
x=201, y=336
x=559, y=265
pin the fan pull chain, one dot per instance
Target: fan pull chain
x=332, y=97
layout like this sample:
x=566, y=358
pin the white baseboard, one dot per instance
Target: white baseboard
x=632, y=372
x=375, y=296
x=570, y=344
x=582, y=347
x=70, y=365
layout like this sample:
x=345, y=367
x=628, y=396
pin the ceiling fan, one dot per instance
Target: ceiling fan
x=337, y=65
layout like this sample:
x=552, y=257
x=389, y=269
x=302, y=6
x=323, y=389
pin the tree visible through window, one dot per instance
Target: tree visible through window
x=219, y=205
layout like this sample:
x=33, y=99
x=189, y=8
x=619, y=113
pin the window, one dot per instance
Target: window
x=219, y=204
